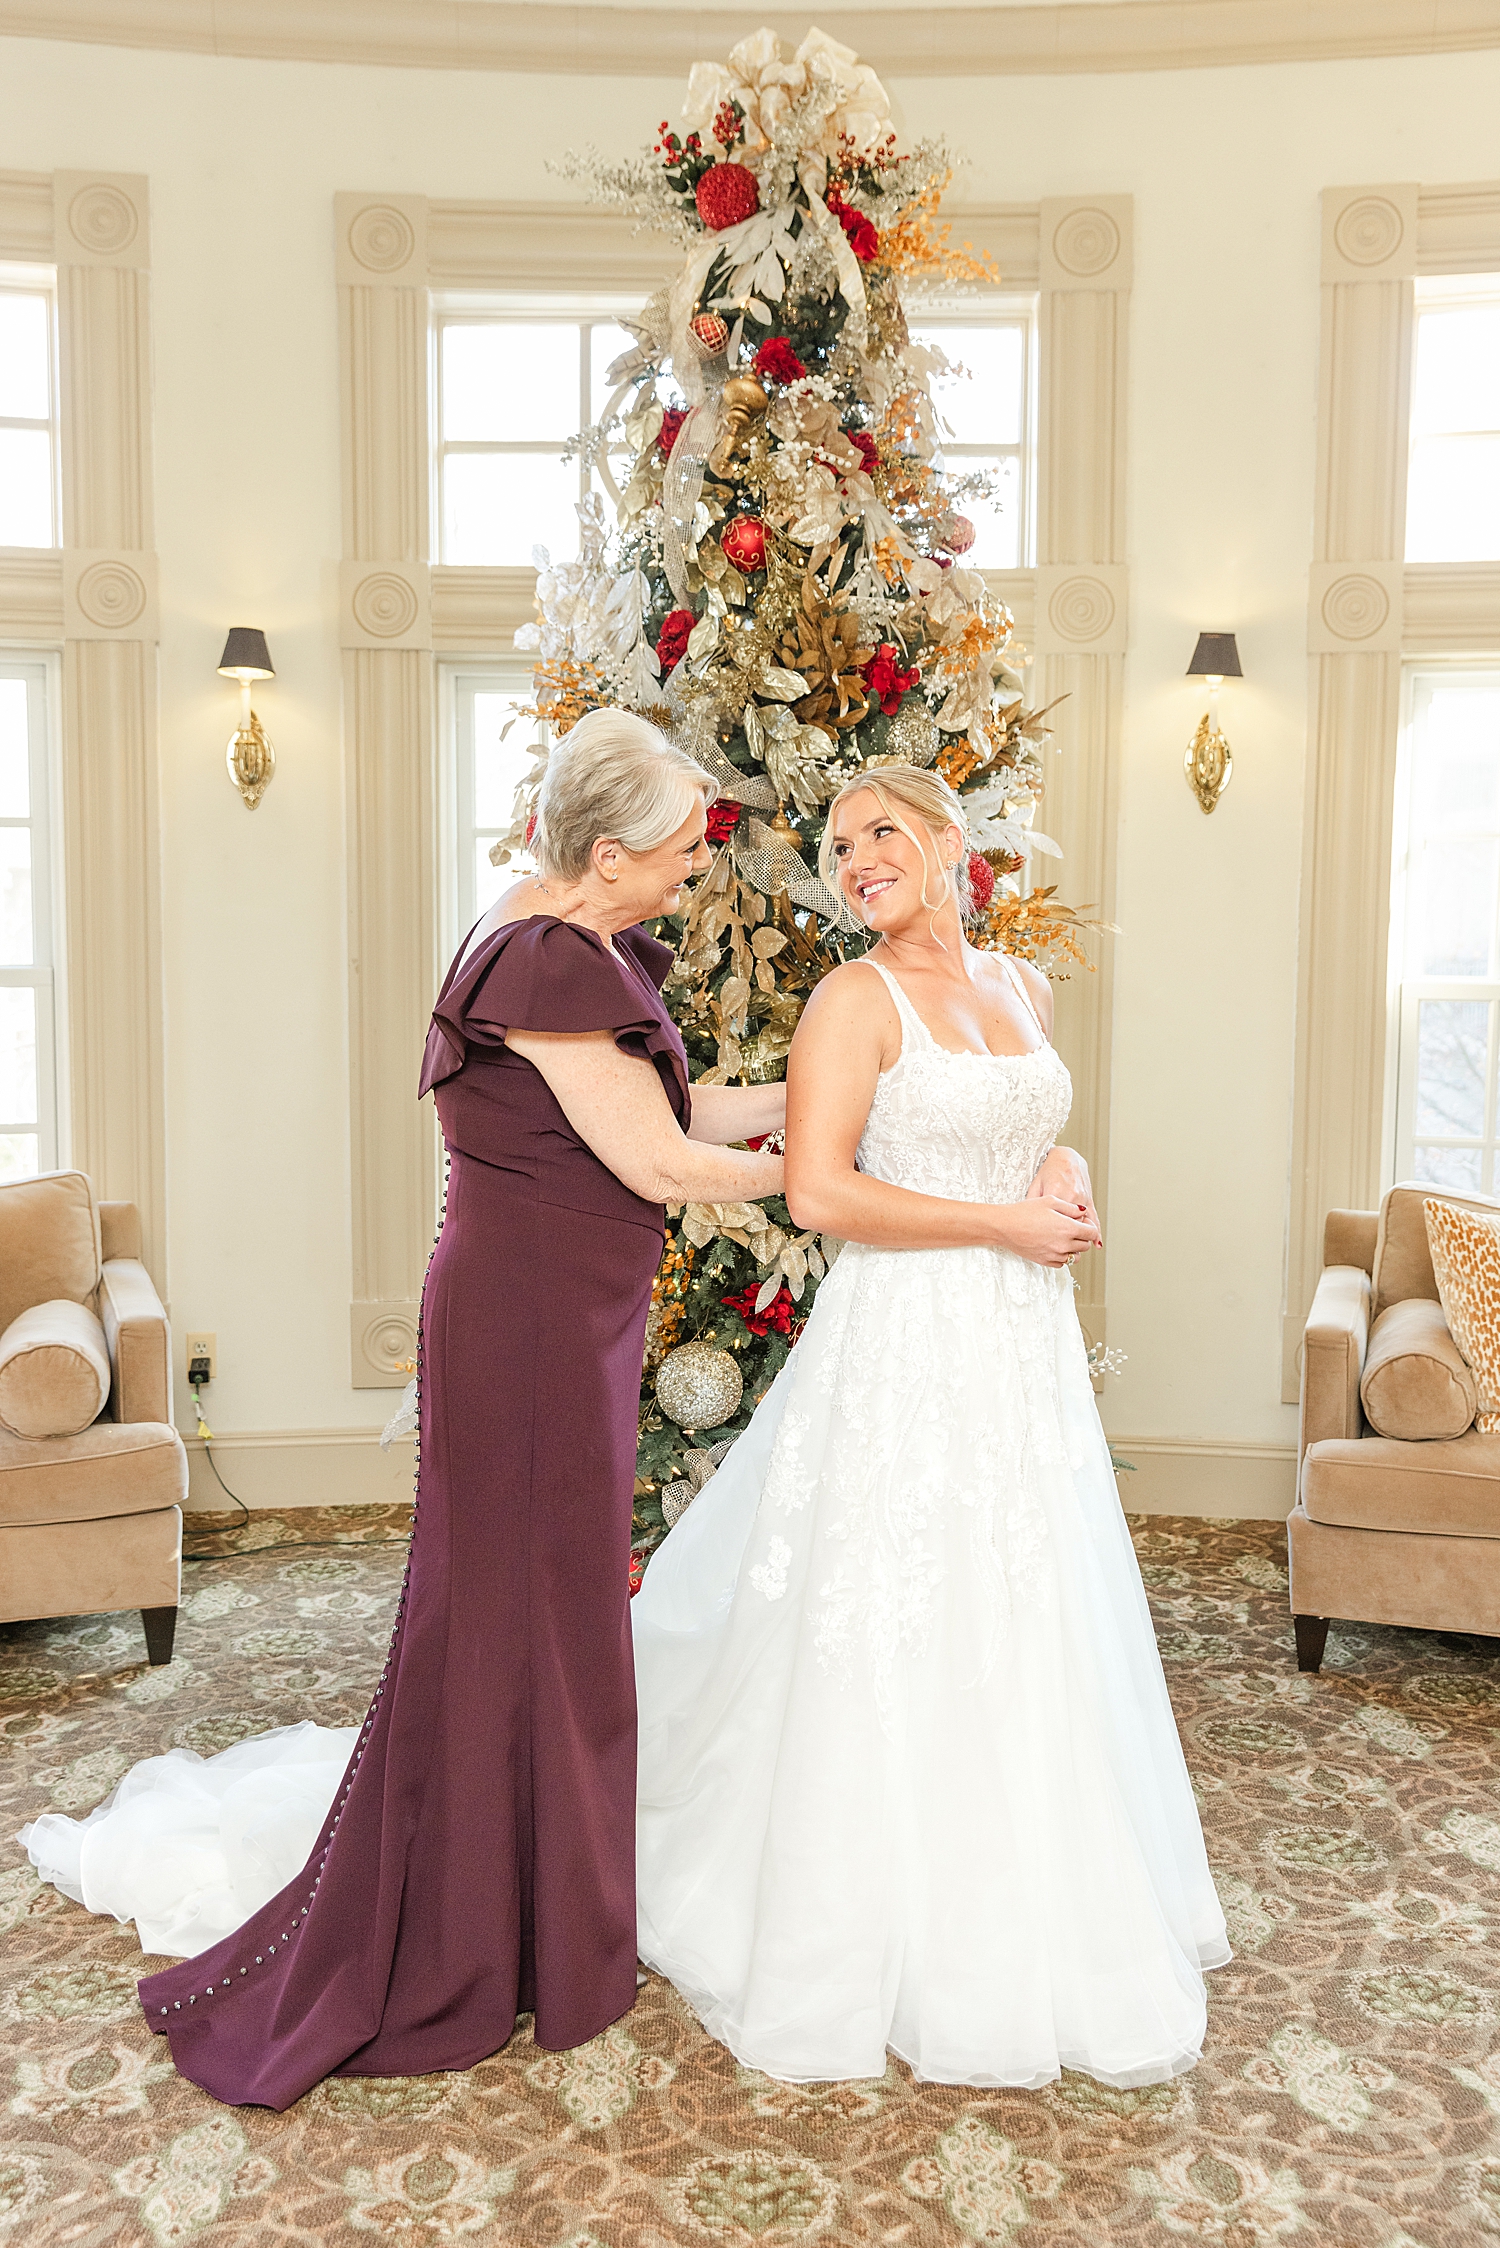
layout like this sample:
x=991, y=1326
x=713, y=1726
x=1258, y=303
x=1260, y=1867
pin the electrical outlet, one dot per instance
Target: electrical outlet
x=199, y=1348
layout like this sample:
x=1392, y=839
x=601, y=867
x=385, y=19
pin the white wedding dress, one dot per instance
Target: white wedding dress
x=909, y=1778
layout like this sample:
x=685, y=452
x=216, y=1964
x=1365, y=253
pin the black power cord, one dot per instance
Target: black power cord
x=197, y=1376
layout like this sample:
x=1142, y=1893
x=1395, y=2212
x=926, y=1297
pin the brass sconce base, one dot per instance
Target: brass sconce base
x=1208, y=764
x=251, y=761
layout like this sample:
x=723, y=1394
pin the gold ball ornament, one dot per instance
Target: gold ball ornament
x=698, y=1386
x=912, y=736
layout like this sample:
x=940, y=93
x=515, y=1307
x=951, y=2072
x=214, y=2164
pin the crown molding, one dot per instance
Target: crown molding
x=927, y=42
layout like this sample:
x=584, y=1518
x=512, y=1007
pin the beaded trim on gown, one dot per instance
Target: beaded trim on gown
x=909, y=1777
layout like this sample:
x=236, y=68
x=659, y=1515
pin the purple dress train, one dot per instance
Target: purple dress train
x=479, y=1857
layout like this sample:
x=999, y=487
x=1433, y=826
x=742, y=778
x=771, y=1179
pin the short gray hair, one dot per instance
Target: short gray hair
x=614, y=776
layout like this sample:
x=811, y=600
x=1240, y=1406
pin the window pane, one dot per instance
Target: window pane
x=1455, y=902
x=1456, y=378
x=1455, y=1167
x=1452, y=1040
x=15, y=759
x=513, y=380
x=18, y=1057
x=1453, y=500
x=24, y=388
x=997, y=522
x=489, y=880
x=498, y=506
x=983, y=407
x=15, y=897
x=499, y=766
x=606, y=342
x=18, y=1156
x=1458, y=776
x=25, y=487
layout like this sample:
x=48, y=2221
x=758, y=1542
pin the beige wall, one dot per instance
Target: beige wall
x=1226, y=167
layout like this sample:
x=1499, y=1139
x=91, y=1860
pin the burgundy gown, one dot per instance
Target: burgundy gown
x=479, y=1858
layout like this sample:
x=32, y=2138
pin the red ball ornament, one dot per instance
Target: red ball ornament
x=981, y=880
x=637, y=1576
x=744, y=542
x=709, y=330
x=726, y=194
x=961, y=534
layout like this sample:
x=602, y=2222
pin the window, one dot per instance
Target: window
x=987, y=420
x=28, y=410
x=1446, y=932
x=1453, y=488
x=28, y=1077
x=488, y=766
x=512, y=385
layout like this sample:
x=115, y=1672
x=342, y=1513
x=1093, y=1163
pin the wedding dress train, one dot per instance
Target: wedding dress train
x=909, y=1777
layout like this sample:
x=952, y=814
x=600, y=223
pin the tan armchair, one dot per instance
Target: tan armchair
x=90, y=1500
x=1401, y=1527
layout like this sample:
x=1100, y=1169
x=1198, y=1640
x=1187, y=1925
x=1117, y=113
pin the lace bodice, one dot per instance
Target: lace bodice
x=970, y=1127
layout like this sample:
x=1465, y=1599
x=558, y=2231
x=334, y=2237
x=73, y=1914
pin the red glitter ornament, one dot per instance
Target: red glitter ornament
x=777, y=361
x=961, y=534
x=722, y=816
x=672, y=640
x=530, y=830
x=726, y=194
x=744, y=542
x=709, y=330
x=981, y=880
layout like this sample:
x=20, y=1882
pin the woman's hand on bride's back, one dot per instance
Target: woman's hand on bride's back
x=1046, y=1230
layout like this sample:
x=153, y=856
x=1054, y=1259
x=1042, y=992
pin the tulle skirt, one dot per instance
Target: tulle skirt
x=188, y=1847
x=909, y=1777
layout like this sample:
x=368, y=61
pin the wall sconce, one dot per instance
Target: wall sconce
x=1208, y=764
x=250, y=757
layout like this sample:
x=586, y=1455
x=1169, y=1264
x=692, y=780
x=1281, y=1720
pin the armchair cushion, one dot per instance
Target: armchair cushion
x=1466, y=1266
x=1403, y=1261
x=1416, y=1384
x=54, y=1370
x=1450, y=1488
x=107, y=1471
x=49, y=1242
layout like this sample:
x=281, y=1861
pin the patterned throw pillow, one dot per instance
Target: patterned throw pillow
x=1466, y=1266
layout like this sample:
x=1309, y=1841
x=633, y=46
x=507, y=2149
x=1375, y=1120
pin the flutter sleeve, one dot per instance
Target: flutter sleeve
x=543, y=974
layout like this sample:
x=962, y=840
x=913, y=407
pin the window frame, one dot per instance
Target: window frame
x=42, y=674
x=1407, y=992
x=455, y=308
x=1021, y=308
x=41, y=281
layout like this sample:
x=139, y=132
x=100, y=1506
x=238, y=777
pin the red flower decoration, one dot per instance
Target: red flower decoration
x=637, y=1575
x=744, y=542
x=981, y=880
x=885, y=678
x=777, y=361
x=672, y=640
x=722, y=816
x=672, y=420
x=777, y=1314
x=865, y=445
x=863, y=239
x=726, y=194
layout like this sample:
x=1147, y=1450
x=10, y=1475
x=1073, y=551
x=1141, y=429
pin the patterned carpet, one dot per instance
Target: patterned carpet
x=1349, y=2097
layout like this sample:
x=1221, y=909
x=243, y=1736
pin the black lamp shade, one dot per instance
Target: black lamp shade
x=245, y=651
x=1215, y=657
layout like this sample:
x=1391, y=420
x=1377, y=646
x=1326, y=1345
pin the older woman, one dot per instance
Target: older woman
x=478, y=1856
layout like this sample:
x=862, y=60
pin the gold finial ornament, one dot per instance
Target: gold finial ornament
x=1208, y=764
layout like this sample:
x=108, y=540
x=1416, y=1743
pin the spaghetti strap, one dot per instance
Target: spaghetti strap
x=910, y=1019
x=1020, y=983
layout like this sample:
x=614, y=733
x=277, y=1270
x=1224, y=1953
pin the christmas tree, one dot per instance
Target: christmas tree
x=784, y=593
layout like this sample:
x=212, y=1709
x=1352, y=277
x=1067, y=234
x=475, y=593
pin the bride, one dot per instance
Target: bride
x=909, y=1778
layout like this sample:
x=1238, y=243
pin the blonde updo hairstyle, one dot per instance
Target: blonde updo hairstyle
x=615, y=778
x=921, y=804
